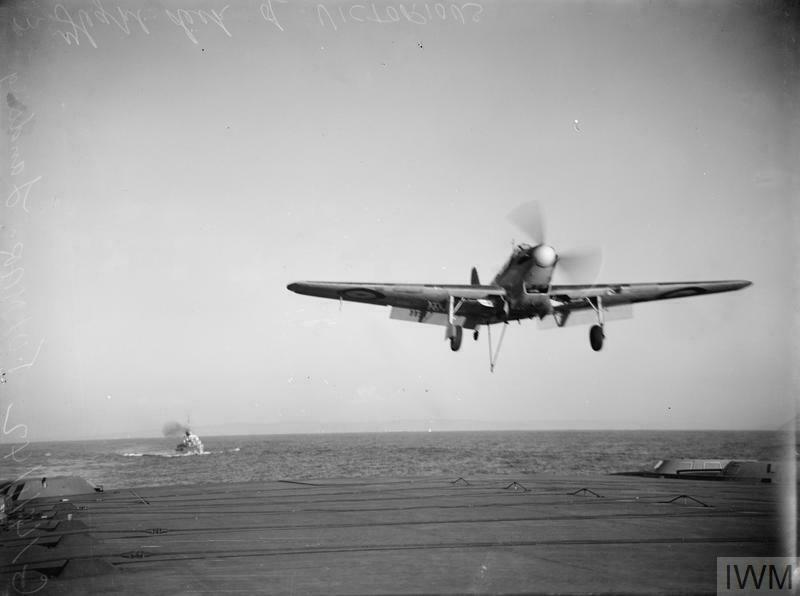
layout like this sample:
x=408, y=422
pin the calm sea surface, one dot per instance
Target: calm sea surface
x=151, y=462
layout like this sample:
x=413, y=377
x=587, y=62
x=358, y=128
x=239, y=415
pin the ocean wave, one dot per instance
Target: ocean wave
x=166, y=454
x=149, y=462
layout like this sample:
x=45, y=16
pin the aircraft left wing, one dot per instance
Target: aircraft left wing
x=423, y=303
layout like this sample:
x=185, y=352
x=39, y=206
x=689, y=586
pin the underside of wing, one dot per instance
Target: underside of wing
x=578, y=297
x=458, y=307
x=422, y=303
x=393, y=294
x=582, y=304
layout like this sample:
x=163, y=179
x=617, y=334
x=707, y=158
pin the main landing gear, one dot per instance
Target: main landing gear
x=454, y=333
x=455, y=339
x=596, y=333
x=596, y=337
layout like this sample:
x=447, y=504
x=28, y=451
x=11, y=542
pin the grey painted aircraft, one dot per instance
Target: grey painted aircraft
x=521, y=290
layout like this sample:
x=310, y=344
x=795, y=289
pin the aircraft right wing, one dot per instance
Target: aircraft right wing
x=576, y=296
x=568, y=299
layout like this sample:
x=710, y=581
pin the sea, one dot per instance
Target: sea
x=122, y=463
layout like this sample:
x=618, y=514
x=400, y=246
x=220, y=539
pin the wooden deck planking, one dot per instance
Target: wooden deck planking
x=396, y=536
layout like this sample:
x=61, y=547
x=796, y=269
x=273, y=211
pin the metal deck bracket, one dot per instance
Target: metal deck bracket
x=138, y=496
x=136, y=554
x=461, y=480
x=516, y=486
x=298, y=482
x=685, y=498
x=585, y=491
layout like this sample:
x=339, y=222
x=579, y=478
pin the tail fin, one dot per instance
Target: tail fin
x=474, y=277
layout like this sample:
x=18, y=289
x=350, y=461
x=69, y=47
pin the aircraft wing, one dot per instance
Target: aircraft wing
x=567, y=298
x=422, y=303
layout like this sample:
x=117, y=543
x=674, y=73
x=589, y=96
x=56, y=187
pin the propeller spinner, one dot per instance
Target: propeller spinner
x=545, y=255
x=581, y=265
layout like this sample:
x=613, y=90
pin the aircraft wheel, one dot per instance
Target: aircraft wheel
x=596, y=337
x=455, y=341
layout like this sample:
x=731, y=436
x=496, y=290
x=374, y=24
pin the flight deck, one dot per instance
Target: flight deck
x=498, y=535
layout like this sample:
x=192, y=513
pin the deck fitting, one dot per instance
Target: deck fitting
x=516, y=486
x=461, y=480
x=298, y=482
x=138, y=496
x=136, y=554
x=685, y=497
x=584, y=491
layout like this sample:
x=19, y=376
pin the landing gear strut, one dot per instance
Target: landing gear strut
x=596, y=333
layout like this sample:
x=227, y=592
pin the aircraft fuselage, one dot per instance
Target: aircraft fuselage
x=529, y=270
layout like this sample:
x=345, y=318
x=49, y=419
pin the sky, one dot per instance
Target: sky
x=170, y=168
